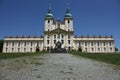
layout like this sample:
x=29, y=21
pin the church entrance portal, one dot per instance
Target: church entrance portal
x=58, y=48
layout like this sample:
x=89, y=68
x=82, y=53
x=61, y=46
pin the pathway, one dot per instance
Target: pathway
x=57, y=67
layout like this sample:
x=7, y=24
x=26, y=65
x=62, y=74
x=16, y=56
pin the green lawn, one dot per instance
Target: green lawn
x=105, y=57
x=14, y=55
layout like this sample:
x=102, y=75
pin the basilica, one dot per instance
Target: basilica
x=59, y=32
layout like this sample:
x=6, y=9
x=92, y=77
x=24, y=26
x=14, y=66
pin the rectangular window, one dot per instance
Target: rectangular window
x=12, y=43
x=104, y=49
x=18, y=49
x=98, y=49
x=92, y=49
x=104, y=43
x=54, y=36
x=85, y=43
x=86, y=49
x=92, y=43
x=31, y=44
x=62, y=41
x=30, y=49
x=48, y=36
x=47, y=41
x=110, y=43
x=37, y=43
x=110, y=49
x=24, y=49
x=6, y=49
x=68, y=41
x=98, y=44
x=18, y=43
x=12, y=49
x=6, y=43
x=25, y=43
x=62, y=36
x=54, y=41
x=79, y=43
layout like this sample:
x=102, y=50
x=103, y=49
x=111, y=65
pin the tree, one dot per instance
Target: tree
x=116, y=49
x=1, y=45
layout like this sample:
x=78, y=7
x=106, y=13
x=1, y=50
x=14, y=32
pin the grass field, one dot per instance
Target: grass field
x=14, y=55
x=105, y=57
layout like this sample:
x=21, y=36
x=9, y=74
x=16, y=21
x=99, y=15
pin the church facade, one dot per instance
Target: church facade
x=62, y=32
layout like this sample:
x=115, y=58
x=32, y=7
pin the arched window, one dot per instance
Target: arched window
x=68, y=21
x=48, y=21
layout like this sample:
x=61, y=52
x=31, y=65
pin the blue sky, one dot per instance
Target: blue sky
x=91, y=17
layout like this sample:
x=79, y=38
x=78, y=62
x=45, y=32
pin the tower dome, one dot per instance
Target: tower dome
x=49, y=14
x=68, y=15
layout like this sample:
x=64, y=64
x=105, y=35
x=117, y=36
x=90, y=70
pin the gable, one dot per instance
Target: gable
x=58, y=30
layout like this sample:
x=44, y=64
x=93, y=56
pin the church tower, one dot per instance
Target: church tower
x=68, y=24
x=49, y=20
x=68, y=20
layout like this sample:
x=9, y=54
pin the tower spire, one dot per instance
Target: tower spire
x=49, y=14
x=68, y=14
x=68, y=4
x=49, y=8
x=68, y=8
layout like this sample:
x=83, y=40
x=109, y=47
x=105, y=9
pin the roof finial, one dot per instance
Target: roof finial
x=68, y=14
x=68, y=4
x=49, y=14
x=68, y=10
x=49, y=5
x=49, y=8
